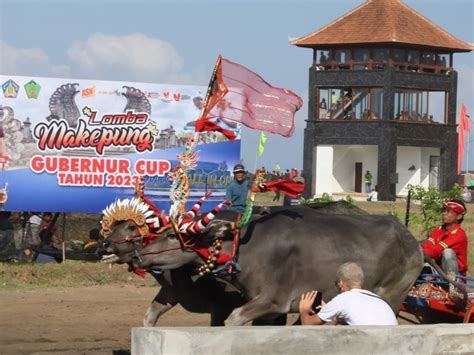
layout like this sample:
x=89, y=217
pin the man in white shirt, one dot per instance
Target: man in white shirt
x=373, y=196
x=353, y=306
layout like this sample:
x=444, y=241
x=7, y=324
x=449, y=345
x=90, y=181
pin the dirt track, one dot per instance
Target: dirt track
x=82, y=320
x=87, y=320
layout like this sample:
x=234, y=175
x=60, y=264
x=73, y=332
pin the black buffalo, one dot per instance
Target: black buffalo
x=292, y=251
x=179, y=286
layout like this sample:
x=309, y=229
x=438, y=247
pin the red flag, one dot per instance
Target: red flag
x=288, y=187
x=209, y=126
x=240, y=95
x=464, y=127
x=465, y=118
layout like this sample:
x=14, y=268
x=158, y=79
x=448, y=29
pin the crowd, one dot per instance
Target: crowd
x=38, y=233
x=39, y=241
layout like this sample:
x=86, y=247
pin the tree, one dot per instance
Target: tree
x=431, y=201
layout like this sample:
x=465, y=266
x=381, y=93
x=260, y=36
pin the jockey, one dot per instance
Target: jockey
x=447, y=244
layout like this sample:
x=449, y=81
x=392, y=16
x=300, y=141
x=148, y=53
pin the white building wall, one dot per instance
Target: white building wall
x=407, y=157
x=335, y=167
x=343, y=173
x=420, y=159
x=324, y=169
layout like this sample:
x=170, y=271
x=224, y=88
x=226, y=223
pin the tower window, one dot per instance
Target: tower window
x=349, y=103
x=420, y=106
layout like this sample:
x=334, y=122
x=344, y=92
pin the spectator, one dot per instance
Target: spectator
x=238, y=189
x=277, y=196
x=323, y=108
x=466, y=196
x=368, y=181
x=323, y=59
x=287, y=201
x=373, y=196
x=7, y=241
x=32, y=230
x=43, y=256
x=353, y=305
x=93, y=244
x=49, y=224
x=298, y=178
x=3, y=198
x=293, y=173
x=334, y=99
x=323, y=105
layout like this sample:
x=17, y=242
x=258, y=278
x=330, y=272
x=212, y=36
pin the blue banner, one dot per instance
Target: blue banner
x=76, y=146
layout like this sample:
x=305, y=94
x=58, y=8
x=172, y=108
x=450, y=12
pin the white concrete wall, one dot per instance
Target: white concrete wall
x=324, y=168
x=345, y=157
x=406, y=157
x=335, y=167
x=406, y=339
x=420, y=158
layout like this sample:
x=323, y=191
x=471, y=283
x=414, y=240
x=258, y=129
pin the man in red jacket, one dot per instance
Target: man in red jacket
x=447, y=244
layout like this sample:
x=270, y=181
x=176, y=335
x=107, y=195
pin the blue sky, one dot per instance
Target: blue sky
x=178, y=41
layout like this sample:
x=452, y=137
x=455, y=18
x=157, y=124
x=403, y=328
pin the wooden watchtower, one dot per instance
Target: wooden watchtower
x=382, y=97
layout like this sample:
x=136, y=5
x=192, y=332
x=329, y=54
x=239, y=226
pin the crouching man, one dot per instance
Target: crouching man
x=353, y=305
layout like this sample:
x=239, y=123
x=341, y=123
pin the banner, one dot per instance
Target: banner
x=71, y=145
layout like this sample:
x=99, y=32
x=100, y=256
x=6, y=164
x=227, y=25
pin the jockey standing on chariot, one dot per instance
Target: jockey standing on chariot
x=447, y=244
x=238, y=190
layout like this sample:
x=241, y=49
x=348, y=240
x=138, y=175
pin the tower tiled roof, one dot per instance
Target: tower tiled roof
x=383, y=21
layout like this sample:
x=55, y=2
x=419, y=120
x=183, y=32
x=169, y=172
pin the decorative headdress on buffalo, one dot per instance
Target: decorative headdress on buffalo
x=129, y=209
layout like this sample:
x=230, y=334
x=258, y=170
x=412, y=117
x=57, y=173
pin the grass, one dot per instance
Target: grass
x=69, y=274
x=76, y=273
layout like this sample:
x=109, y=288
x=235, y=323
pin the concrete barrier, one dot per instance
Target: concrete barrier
x=408, y=339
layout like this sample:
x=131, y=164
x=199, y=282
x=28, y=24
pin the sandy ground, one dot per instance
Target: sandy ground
x=87, y=320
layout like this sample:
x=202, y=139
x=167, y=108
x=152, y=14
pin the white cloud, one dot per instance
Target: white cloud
x=130, y=57
x=28, y=62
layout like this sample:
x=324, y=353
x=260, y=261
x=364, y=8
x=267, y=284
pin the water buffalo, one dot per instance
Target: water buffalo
x=288, y=252
x=179, y=286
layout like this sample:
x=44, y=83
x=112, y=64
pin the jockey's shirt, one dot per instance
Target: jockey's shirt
x=454, y=238
x=237, y=193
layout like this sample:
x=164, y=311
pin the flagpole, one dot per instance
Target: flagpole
x=256, y=156
x=261, y=146
x=209, y=88
x=468, y=139
x=467, y=162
